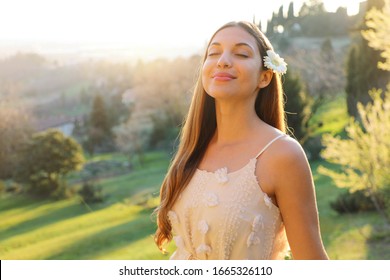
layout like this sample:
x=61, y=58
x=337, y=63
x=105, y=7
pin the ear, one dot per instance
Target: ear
x=265, y=78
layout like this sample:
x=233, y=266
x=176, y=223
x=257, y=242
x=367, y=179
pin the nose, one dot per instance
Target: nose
x=224, y=61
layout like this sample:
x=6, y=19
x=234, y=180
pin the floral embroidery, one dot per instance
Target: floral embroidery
x=257, y=223
x=252, y=239
x=179, y=241
x=173, y=217
x=267, y=200
x=203, y=248
x=221, y=175
x=203, y=227
x=211, y=199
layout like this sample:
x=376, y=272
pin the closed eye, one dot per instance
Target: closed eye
x=213, y=54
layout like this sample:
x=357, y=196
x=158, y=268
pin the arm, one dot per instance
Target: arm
x=292, y=182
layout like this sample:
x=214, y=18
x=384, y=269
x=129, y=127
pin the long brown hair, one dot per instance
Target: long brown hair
x=200, y=126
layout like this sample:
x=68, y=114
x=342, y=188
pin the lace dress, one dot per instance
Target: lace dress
x=223, y=216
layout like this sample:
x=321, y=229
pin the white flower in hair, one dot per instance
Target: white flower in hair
x=275, y=63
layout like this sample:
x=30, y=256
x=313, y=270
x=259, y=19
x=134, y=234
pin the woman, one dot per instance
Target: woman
x=238, y=184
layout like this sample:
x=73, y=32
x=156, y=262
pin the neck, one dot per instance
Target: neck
x=235, y=122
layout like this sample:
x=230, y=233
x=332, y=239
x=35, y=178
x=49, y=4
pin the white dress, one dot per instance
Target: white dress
x=222, y=215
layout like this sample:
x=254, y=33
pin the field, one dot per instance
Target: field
x=122, y=226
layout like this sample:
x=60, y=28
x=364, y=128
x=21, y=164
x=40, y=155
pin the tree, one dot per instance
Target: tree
x=270, y=28
x=290, y=13
x=327, y=51
x=281, y=19
x=99, y=128
x=365, y=68
x=365, y=155
x=15, y=130
x=378, y=23
x=297, y=106
x=352, y=81
x=312, y=8
x=47, y=158
x=133, y=137
x=324, y=77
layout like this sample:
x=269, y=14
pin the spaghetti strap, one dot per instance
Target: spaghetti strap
x=269, y=144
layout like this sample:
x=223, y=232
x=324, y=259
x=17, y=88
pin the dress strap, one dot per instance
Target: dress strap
x=269, y=144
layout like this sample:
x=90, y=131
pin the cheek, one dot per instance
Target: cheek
x=206, y=67
x=205, y=74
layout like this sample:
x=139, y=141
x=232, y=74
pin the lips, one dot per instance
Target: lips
x=223, y=76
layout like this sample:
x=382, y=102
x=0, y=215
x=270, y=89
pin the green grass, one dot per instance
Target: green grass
x=119, y=228
x=346, y=236
x=333, y=115
x=122, y=226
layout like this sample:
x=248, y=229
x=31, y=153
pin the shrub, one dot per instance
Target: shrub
x=352, y=203
x=313, y=147
x=91, y=193
x=2, y=187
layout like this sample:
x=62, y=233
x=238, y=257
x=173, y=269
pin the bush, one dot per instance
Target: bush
x=352, y=203
x=313, y=148
x=91, y=193
x=14, y=188
x=103, y=167
x=64, y=192
x=2, y=187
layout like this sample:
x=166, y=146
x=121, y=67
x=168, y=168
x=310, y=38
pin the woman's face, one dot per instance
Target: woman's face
x=233, y=65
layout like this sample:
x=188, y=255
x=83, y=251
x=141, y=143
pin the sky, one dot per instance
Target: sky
x=148, y=25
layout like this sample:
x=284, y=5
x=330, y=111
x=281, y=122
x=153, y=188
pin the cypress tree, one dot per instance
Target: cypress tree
x=296, y=106
x=290, y=13
x=352, y=83
x=99, y=119
x=99, y=130
x=281, y=19
x=362, y=71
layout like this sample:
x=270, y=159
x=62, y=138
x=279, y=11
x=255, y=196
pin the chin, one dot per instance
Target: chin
x=222, y=92
x=221, y=95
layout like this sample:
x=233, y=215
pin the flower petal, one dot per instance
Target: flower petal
x=221, y=175
x=203, y=248
x=257, y=223
x=267, y=200
x=172, y=216
x=178, y=241
x=252, y=240
x=275, y=63
x=211, y=199
x=203, y=227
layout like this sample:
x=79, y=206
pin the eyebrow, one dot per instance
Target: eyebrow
x=236, y=45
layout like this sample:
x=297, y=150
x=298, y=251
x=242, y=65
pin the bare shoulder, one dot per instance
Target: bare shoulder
x=281, y=164
x=287, y=150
